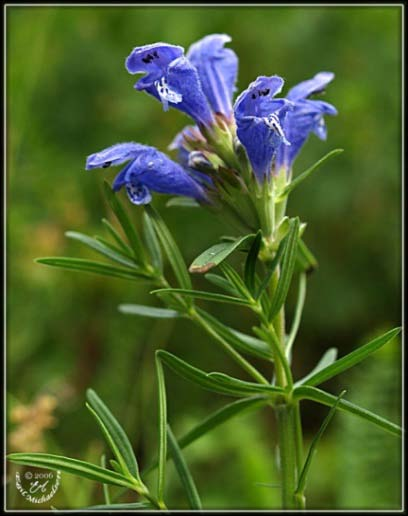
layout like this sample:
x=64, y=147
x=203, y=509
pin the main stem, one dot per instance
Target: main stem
x=287, y=419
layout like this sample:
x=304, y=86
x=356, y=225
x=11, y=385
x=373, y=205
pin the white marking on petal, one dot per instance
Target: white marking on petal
x=272, y=121
x=166, y=94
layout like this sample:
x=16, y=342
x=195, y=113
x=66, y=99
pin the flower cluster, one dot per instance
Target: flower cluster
x=233, y=148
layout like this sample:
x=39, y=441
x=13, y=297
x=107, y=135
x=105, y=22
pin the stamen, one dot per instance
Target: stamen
x=166, y=94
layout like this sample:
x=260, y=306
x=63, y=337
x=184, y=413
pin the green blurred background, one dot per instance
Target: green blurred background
x=69, y=95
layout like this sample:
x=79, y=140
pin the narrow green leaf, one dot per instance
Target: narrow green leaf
x=299, y=179
x=122, y=448
x=106, y=494
x=183, y=472
x=271, y=268
x=117, y=237
x=298, y=314
x=305, y=258
x=250, y=387
x=115, y=465
x=195, y=375
x=217, y=253
x=221, y=282
x=313, y=447
x=327, y=359
x=152, y=243
x=125, y=222
x=288, y=265
x=170, y=247
x=240, y=341
x=72, y=466
x=221, y=416
x=250, y=263
x=78, y=264
x=162, y=429
x=116, y=249
x=135, y=506
x=182, y=202
x=235, y=280
x=148, y=311
x=200, y=294
x=351, y=359
x=100, y=248
x=323, y=397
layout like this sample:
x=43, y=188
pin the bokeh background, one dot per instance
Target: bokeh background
x=69, y=95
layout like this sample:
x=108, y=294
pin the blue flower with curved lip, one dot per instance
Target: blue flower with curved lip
x=148, y=170
x=306, y=117
x=171, y=78
x=217, y=68
x=260, y=119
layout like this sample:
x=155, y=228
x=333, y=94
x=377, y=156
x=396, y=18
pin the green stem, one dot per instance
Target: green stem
x=285, y=420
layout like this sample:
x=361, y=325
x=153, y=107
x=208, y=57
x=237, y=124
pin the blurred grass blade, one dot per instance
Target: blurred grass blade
x=135, y=506
x=323, y=397
x=351, y=359
x=300, y=178
x=250, y=387
x=148, y=311
x=313, y=447
x=216, y=254
x=305, y=258
x=200, y=294
x=221, y=282
x=171, y=249
x=250, y=262
x=105, y=487
x=298, y=314
x=240, y=341
x=183, y=202
x=100, y=248
x=183, y=472
x=121, y=447
x=287, y=268
x=72, y=466
x=118, y=239
x=161, y=479
x=125, y=222
x=81, y=265
x=152, y=243
x=327, y=359
x=195, y=375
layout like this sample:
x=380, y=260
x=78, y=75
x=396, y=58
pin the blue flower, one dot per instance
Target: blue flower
x=217, y=68
x=171, y=78
x=306, y=117
x=148, y=170
x=260, y=119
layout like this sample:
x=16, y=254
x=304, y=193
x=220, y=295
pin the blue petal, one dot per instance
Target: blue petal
x=170, y=78
x=315, y=85
x=158, y=173
x=189, y=133
x=217, y=68
x=138, y=193
x=260, y=120
x=114, y=155
x=306, y=117
x=182, y=78
x=153, y=60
